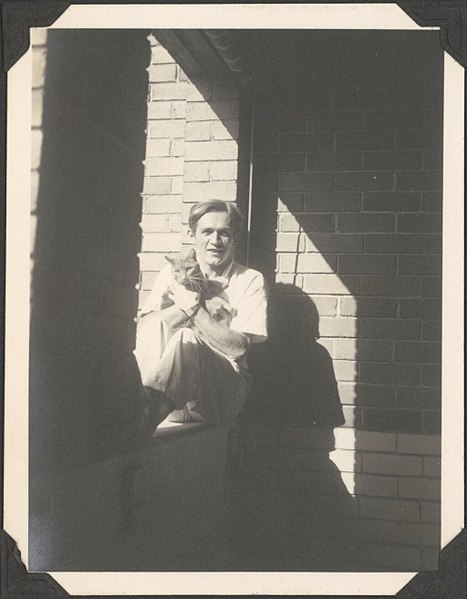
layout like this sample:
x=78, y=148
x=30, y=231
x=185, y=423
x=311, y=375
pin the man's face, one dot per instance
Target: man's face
x=214, y=240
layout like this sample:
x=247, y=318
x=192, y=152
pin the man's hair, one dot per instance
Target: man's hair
x=199, y=210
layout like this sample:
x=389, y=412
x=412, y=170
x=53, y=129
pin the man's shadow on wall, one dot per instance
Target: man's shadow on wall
x=292, y=508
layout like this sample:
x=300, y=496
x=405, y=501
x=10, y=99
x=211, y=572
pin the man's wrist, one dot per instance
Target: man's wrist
x=191, y=311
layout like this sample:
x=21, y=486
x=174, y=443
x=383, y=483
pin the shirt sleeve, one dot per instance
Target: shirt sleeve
x=153, y=301
x=251, y=317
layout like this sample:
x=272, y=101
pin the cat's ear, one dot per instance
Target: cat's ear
x=192, y=254
x=169, y=259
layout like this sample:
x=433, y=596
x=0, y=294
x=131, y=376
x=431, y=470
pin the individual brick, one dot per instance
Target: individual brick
x=166, y=129
x=432, y=422
x=199, y=191
x=419, y=181
x=382, y=373
x=420, y=352
x=334, y=161
x=335, y=121
x=394, y=558
x=419, y=223
x=161, y=242
x=394, y=119
x=365, y=223
x=290, y=242
x=393, y=161
x=157, y=185
x=290, y=202
x=344, y=243
x=164, y=167
x=316, y=263
x=306, y=181
x=163, y=204
x=214, y=110
x=330, y=284
x=394, y=244
x=158, y=147
x=281, y=162
x=159, y=55
x=419, y=139
x=198, y=131
x=367, y=395
x=364, y=181
x=364, y=350
x=430, y=512
x=387, y=328
x=433, y=244
x=392, y=464
x=432, y=467
x=162, y=73
x=199, y=90
x=389, y=509
x=420, y=265
x=364, y=140
x=418, y=398
x=431, y=330
x=419, y=444
x=420, y=308
x=431, y=286
x=225, y=129
x=424, y=534
x=154, y=223
x=431, y=375
x=306, y=142
x=391, y=201
x=375, y=485
x=223, y=171
x=210, y=150
x=390, y=286
x=168, y=91
x=307, y=222
x=338, y=327
x=375, y=441
x=420, y=488
x=366, y=264
x=196, y=171
x=345, y=370
x=432, y=202
x=332, y=202
x=368, y=307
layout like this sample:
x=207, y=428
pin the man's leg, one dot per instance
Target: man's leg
x=202, y=384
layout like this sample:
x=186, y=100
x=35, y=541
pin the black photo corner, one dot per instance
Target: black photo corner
x=295, y=322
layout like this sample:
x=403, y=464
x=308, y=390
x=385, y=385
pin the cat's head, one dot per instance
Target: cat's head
x=185, y=269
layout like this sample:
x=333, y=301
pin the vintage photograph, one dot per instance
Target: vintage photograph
x=235, y=300
x=236, y=341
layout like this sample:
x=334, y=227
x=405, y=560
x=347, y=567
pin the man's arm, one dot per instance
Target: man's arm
x=228, y=341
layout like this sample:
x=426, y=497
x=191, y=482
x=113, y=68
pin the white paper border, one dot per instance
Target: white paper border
x=281, y=16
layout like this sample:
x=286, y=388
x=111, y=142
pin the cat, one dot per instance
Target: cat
x=186, y=271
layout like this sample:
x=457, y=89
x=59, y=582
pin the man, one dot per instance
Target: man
x=192, y=365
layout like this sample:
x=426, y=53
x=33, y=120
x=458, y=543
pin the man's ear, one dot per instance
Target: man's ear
x=190, y=233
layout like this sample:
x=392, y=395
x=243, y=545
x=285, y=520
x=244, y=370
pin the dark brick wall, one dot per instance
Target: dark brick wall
x=348, y=165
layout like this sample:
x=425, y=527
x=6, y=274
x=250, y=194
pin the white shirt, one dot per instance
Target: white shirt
x=245, y=290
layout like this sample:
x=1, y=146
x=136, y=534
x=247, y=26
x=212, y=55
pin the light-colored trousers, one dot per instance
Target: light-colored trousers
x=203, y=384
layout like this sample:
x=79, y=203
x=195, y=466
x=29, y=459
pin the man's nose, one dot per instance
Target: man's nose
x=215, y=237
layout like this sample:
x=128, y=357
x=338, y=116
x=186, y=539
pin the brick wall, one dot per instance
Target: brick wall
x=191, y=155
x=347, y=226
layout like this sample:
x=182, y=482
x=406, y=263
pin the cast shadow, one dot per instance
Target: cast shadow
x=291, y=507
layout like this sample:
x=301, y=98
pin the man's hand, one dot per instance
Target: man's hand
x=185, y=300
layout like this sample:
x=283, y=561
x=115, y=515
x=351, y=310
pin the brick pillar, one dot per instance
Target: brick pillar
x=191, y=155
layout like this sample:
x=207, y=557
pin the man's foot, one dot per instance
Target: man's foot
x=153, y=408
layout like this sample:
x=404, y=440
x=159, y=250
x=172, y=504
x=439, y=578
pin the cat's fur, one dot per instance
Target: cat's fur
x=186, y=271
